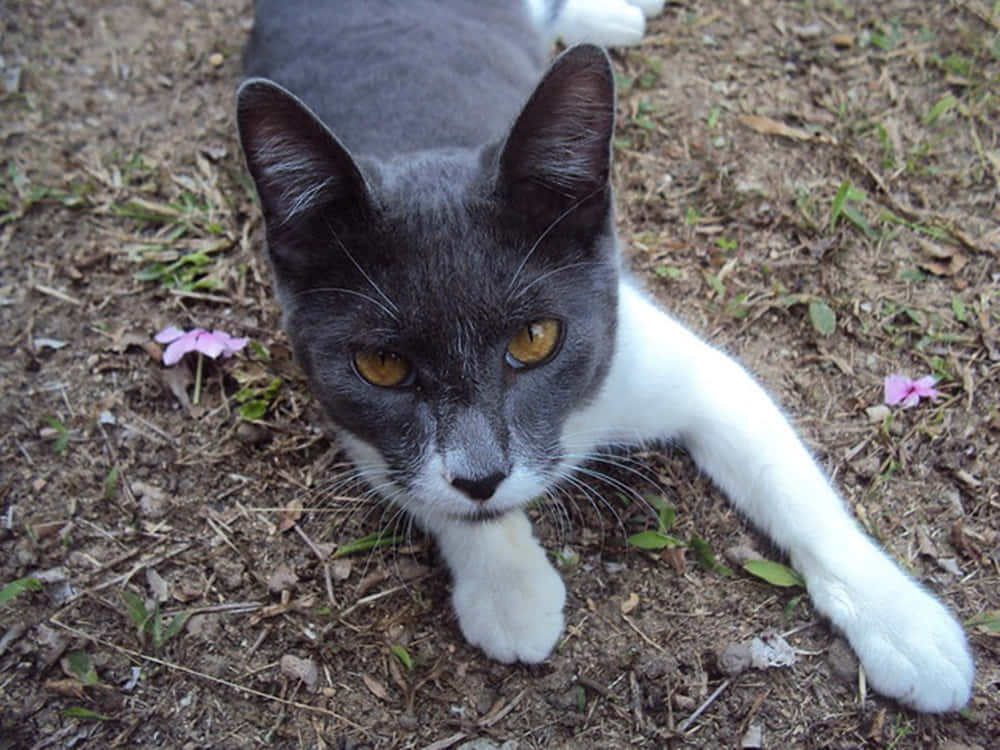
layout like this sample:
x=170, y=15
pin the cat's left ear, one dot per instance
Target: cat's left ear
x=297, y=164
x=560, y=144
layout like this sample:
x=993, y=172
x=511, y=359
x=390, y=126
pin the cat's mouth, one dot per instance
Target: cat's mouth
x=481, y=515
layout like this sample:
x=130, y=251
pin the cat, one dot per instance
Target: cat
x=449, y=276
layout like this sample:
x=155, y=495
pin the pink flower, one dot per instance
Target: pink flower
x=899, y=389
x=212, y=345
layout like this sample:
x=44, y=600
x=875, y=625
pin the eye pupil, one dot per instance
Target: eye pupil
x=382, y=368
x=534, y=344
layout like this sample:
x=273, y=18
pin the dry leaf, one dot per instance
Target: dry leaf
x=631, y=602
x=767, y=126
x=377, y=688
x=843, y=40
x=288, y=517
x=924, y=543
x=158, y=587
x=177, y=380
x=69, y=688
x=941, y=261
x=674, y=556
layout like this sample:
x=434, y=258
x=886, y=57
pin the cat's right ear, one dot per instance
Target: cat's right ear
x=559, y=149
x=298, y=165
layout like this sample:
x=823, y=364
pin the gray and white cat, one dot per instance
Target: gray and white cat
x=448, y=271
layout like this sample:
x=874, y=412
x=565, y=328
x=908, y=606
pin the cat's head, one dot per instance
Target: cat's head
x=451, y=308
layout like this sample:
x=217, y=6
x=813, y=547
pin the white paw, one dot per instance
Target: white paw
x=514, y=614
x=910, y=645
x=609, y=23
x=650, y=8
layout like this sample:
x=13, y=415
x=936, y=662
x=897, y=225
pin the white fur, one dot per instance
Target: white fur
x=508, y=598
x=664, y=384
x=609, y=23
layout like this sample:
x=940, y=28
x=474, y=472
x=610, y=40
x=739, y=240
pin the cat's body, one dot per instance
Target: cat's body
x=450, y=283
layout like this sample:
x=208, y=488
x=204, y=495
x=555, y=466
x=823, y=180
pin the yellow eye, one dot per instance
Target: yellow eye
x=380, y=368
x=534, y=343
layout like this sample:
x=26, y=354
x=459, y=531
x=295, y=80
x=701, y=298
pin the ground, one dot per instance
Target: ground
x=812, y=186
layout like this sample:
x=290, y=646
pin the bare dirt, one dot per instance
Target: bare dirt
x=863, y=184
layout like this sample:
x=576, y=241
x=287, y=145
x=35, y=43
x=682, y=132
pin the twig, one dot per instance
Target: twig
x=57, y=294
x=322, y=561
x=210, y=678
x=698, y=711
x=492, y=718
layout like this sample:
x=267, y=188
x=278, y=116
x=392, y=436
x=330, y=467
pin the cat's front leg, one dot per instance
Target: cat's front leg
x=508, y=597
x=665, y=383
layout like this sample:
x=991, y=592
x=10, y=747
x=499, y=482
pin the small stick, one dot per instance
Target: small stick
x=698, y=712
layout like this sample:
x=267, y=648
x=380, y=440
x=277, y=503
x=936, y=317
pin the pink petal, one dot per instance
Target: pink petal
x=923, y=387
x=911, y=400
x=179, y=347
x=168, y=334
x=231, y=344
x=897, y=387
x=209, y=345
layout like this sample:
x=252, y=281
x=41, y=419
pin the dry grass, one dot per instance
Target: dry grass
x=777, y=164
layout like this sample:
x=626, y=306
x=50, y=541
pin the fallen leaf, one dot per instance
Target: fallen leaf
x=941, y=261
x=630, y=603
x=674, y=556
x=924, y=543
x=68, y=688
x=767, y=126
x=177, y=380
x=377, y=688
x=158, y=587
x=289, y=516
x=950, y=565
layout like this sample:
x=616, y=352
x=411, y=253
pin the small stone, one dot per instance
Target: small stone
x=282, y=578
x=253, y=434
x=866, y=466
x=229, y=573
x=735, y=659
x=301, y=669
x=216, y=59
x=754, y=738
x=203, y=626
x=739, y=554
x=877, y=414
x=153, y=502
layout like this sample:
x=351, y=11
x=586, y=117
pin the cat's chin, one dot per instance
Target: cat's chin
x=480, y=515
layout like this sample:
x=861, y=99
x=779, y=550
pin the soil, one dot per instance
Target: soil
x=813, y=186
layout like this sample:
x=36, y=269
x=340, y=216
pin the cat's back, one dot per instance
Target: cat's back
x=391, y=76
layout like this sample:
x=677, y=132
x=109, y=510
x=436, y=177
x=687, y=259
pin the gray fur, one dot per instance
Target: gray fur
x=430, y=225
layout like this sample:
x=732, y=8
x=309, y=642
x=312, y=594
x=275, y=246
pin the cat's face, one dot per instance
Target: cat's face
x=451, y=310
